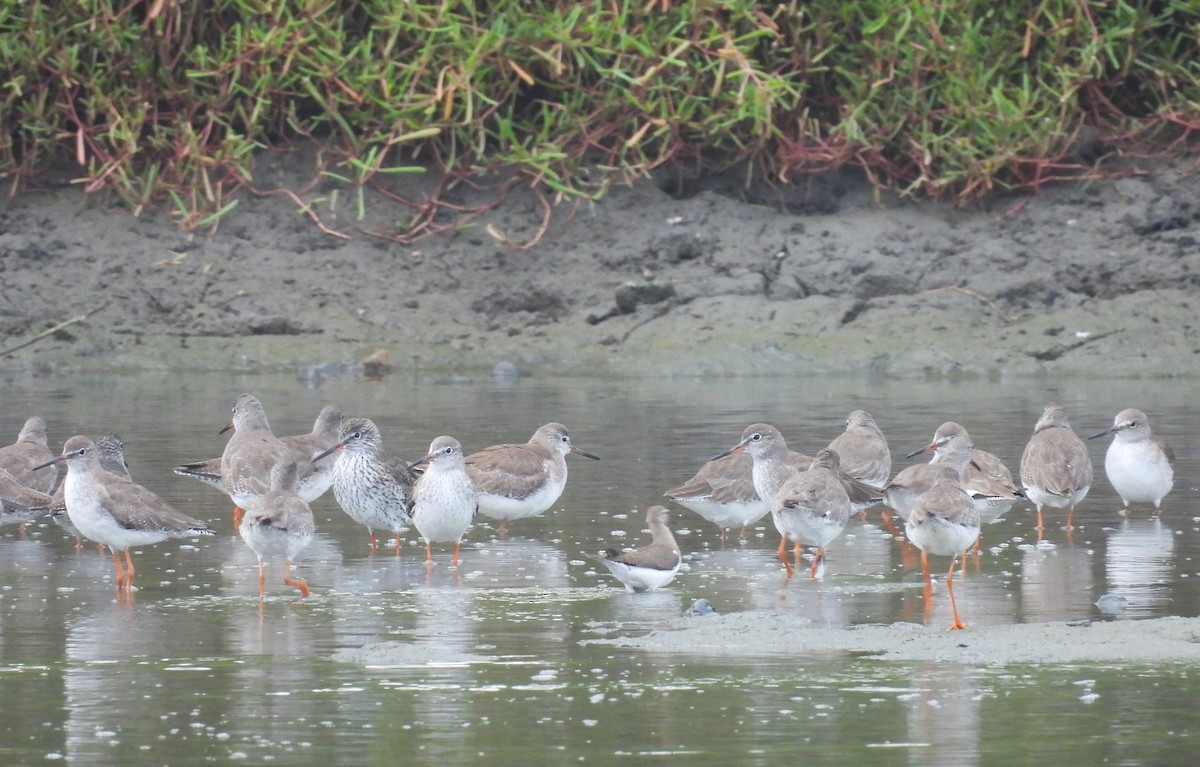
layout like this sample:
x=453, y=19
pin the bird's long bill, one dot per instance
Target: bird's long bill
x=738, y=448
x=927, y=449
x=228, y=426
x=51, y=462
x=577, y=451
x=415, y=464
x=1104, y=433
x=330, y=451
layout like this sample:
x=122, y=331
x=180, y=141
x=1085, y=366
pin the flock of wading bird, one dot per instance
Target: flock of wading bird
x=271, y=481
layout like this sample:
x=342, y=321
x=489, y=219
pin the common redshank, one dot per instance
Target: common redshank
x=943, y=522
x=811, y=509
x=863, y=450
x=31, y=450
x=314, y=479
x=374, y=489
x=278, y=523
x=775, y=464
x=111, y=450
x=115, y=511
x=250, y=455
x=523, y=480
x=1139, y=465
x=18, y=503
x=952, y=448
x=722, y=492
x=444, y=497
x=649, y=567
x=1055, y=467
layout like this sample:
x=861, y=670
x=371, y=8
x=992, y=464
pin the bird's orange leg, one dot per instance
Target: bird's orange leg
x=796, y=553
x=397, y=544
x=456, y=553
x=262, y=580
x=120, y=570
x=817, y=561
x=428, y=556
x=1039, y=527
x=742, y=533
x=129, y=571
x=887, y=516
x=783, y=557
x=289, y=580
x=374, y=543
x=958, y=624
x=925, y=570
x=1070, y=516
x=503, y=532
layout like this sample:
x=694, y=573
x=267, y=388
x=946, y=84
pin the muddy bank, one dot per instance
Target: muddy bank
x=1084, y=279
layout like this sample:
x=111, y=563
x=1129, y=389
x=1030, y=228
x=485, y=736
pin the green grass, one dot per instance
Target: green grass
x=170, y=103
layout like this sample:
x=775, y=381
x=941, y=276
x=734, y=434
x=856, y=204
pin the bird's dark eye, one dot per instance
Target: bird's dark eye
x=356, y=435
x=756, y=437
x=81, y=452
x=449, y=450
x=566, y=440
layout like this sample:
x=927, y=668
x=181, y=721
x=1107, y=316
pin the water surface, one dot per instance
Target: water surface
x=493, y=662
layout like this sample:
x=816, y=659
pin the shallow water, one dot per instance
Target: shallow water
x=493, y=662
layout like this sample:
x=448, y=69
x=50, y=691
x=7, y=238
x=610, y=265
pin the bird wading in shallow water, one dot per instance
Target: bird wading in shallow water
x=314, y=479
x=649, y=567
x=374, y=489
x=278, y=523
x=944, y=522
x=1139, y=465
x=1056, y=470
x=811, y=509
x=444, y=497
x=863, y=450
x=115, y=511
x=522, y=480
x=722, y=492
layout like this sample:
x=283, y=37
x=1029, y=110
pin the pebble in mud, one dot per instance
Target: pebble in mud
x=699, y=608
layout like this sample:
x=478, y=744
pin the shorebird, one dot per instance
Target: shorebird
x=990, y=484
x=649, y=567
x=31, y=450
x=811, y=509
x=111, y=450
x=775, y=464
x=722, y=492
x=315, y=478
x=943, y=522
x=23, y=490
x=115, y=511
x=250, y=455
x=522, y=481
x=444, y=497
x=278, y=523
x=1055, y=467
x=952, y=448
x=863, y=450
x=20, y=504
x=1139, y=465
x=374, y=489
x=984, y=476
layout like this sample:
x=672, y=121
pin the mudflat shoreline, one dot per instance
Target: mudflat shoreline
x=1096, y=279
